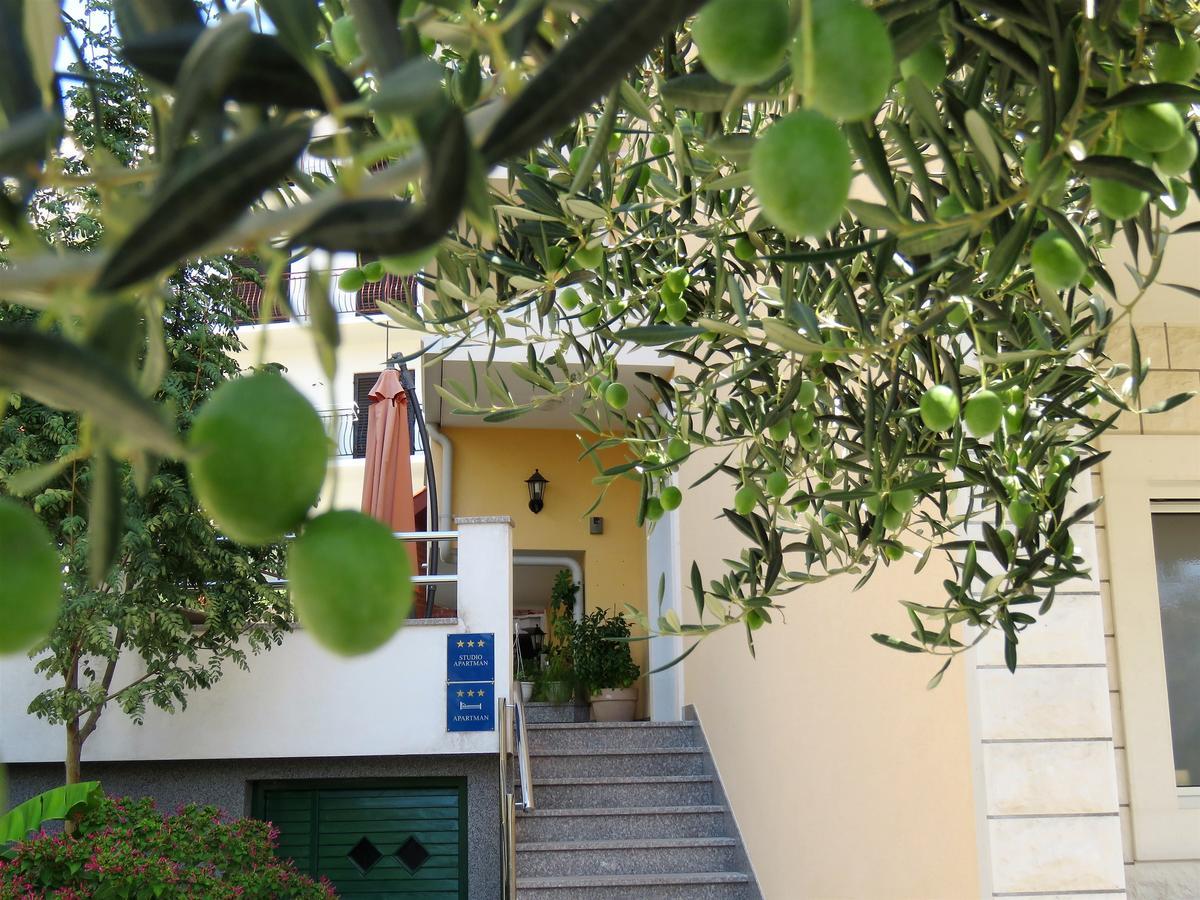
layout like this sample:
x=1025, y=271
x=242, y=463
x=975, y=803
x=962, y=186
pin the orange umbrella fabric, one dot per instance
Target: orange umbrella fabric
x=387, y=486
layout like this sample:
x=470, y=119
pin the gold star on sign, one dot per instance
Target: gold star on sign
x=460, y=643
x=460, y=693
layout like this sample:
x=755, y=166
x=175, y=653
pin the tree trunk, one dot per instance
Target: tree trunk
x=74, y=752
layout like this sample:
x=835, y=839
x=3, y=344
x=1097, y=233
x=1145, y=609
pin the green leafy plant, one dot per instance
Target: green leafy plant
x=55, y=805
x=126, y=848
x=600, y=643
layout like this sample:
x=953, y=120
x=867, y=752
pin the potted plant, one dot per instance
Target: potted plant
x=527, y=675
x=604, y=667
x=558, y=677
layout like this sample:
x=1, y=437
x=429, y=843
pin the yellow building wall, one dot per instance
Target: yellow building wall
x=847, y=777
x=490, y=468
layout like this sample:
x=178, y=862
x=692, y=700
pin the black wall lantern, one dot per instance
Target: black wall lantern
x=537, y=491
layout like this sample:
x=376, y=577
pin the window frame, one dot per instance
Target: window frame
x=1143, y=475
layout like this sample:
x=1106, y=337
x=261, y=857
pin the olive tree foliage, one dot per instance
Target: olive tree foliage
x=626, y=217
x=156, y=601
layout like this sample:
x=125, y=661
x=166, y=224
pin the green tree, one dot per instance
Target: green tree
x=179, y=601
x=918, y=368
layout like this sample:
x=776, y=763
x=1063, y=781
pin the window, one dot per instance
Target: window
x=1176, y=528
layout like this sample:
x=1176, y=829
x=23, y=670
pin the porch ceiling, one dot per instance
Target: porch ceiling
x=557, y=414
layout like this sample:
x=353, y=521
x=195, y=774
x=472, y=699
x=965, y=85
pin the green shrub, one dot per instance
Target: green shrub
x=600, y=645
x=125, y=848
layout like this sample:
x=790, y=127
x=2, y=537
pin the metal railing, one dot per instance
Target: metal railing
x=399, y=290
x=514, y=741
x=348, y=431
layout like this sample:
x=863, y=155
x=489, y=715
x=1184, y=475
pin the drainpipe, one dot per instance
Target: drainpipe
x=561, y=562
x=445, y=486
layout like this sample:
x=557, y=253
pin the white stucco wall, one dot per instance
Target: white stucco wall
x=299, y=700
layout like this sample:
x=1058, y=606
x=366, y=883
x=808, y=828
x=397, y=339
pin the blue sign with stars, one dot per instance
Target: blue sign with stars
x=471, y=706
x=471, y=657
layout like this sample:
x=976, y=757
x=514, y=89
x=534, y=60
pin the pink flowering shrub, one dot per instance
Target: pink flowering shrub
x=125, y=848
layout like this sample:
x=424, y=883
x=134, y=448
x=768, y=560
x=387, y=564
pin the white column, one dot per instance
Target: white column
x=1049, y=803
x=665, y=700
x=485, y=586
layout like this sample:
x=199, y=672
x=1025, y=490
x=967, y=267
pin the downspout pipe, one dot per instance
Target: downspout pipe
x=560, y=562
x=445, y=486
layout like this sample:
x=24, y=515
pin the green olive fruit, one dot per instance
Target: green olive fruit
x=1055, y=262
x=677, y=449
x=893, y=552
x=778, y=483
x=590, y=257
x=742, y=41
x=350, y=581
x=1116, y=199
x=1177, y=61
x=670, y=498
x=344, y=36
x=802, y=422
x=806, y=394
x=258, y=457
x=616, y=395
x=675, y=311
x=616, y=307
x=754, y=619
x=982, y=413
x=654, y=509
x=893, y=518
x=779, y=430
x=1178, y=200
x=569, y=298
x=676, y=280
x=1014, y=418
x=902, y=499
x=373, y=271
x=352, y=280
x=928, y=64
x=745, y=499
x=874, y=504
x=1154, y=127
x=409, y=263
x=591, y=315
x=744, y=250
x=31, y=589
x=1020, y=511
x=831, y=520
x=939, y=408
x=660, y=145
x=811, y=440
x=852, y=61
x=1177, y=160
x=800, y=169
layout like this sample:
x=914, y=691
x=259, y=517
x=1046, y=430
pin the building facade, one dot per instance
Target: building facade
x=1079, y=776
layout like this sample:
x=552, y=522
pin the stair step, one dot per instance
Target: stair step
x=536, y=713
x=612, y=735
x=665, y=886
x=609, y=823
x=617, y=762
x=644, y=856
x=628, y=790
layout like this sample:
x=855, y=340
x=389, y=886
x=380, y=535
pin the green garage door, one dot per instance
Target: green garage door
x=396, y=840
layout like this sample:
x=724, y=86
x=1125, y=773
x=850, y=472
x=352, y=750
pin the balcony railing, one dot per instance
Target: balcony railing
x=349, y=433
x=398, y=290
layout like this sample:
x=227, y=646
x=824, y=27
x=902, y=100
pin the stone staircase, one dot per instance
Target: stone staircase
x=625, y=810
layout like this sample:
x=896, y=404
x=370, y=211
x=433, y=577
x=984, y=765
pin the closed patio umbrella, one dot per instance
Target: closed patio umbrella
x=387, y=485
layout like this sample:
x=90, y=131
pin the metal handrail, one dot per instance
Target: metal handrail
x=514, y=741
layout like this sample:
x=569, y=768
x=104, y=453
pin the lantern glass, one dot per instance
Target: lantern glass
x=536, y=483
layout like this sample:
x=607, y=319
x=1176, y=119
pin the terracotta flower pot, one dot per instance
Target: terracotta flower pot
x=614, y=705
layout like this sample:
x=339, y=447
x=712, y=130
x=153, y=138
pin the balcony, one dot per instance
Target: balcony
x=348, y=431
x=395, y=289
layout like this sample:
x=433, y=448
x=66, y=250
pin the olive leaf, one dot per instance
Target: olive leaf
x=197, y=205
x=608, y=43
x=65, y=375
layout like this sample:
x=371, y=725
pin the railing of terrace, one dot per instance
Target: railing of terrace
x=514, y=741
x=395, y=289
